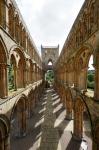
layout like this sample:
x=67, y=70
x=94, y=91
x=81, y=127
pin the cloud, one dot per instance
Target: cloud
x=49, y=21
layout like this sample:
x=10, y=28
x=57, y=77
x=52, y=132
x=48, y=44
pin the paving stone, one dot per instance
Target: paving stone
x=50, y=136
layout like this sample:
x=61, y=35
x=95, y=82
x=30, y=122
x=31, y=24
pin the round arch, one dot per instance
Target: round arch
x=81, y=66
x=80, y=106
x=22, y=99
x=18, y=49
x=20, y=68
x=18, y=116
x=4, y=132
x=87, y=48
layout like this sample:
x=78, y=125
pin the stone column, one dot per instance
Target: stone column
x=32, y=76
x=85, y=79
x=3, y=80
x=96, y=91
x=29, y=107
x=78, y=124
x=7, y=143
x=68, y=106
x=76, y=73
x=95, y=142
x=1, y=144
x=34, y=72
x=82, y=79
x=24, y=77
x=15, y=78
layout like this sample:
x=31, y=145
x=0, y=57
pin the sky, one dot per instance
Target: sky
x=49, y=21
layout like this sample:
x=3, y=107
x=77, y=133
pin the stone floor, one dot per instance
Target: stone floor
x=49, y=130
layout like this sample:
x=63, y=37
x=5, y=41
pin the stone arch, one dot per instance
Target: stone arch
x=50, y=64
x=18, y=116
x=20, y=67
x=4, y=132
x=81, y=66
x=80, y=106
x=17, y=48
x=50, y=60
x=3, y=69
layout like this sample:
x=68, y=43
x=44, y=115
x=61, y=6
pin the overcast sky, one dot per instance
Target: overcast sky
x=49, y=21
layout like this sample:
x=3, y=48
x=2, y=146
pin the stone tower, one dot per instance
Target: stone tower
x=49, y=54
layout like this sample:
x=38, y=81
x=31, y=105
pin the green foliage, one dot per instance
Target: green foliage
x=49, y=76
x=91, y=77
x=90, y=84
x=90, y=81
